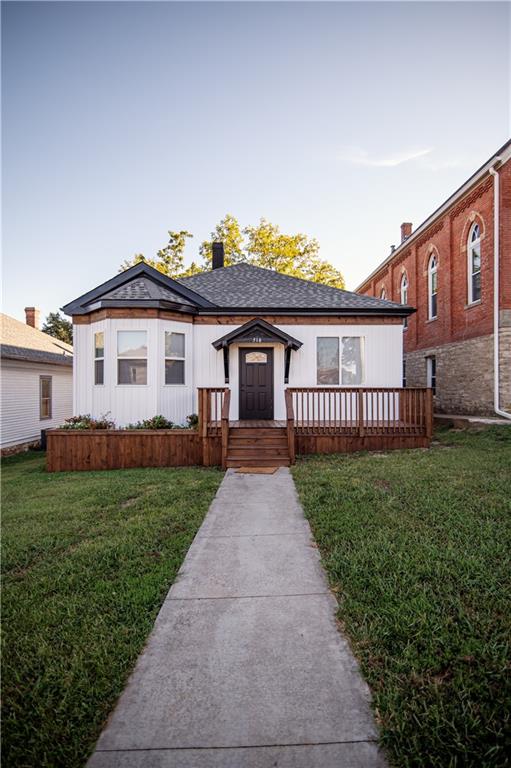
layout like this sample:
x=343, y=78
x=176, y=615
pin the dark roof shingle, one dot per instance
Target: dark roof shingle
x=244, y=286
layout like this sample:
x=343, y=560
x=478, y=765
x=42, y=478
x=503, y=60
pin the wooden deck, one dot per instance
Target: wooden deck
x=318, y=420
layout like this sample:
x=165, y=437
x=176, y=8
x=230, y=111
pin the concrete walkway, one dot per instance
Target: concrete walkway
x=245, y=667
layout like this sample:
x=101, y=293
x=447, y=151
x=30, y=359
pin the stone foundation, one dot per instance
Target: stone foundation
x=464, y=374
x=20, y=448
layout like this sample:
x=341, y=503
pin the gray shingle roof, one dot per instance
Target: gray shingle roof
x=20, y=341
x=246, y=286
x=145, y=289
x=242, y=287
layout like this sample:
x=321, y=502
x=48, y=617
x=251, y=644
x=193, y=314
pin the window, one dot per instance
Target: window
x=327, y=360
x=45, y=397
x=431, y=373
x=352, y=360
x=404, y=296
x=383, y=294
x=256, y=357
x=174, y=358
x=131, y=357
x=474, y=264
x=404, y=373
x=99, y=358
x=432, y=287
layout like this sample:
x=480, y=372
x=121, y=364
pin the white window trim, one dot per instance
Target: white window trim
x=49, y=378
x=174, y=357
x=95, y=359
x=429, y=371
x=470, y=273
x=432, y=269
x=117, y=358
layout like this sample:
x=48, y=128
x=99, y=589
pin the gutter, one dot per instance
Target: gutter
x=496, y=297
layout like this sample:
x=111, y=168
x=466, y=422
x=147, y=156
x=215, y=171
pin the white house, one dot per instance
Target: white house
x=144, y=343
x=36, y=381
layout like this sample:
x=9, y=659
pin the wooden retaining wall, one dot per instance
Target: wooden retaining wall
x=77, y=450
x=351, y=443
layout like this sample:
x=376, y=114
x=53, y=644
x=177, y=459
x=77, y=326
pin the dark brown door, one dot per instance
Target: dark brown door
x=256, y=383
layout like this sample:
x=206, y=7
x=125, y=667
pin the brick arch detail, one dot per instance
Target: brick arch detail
x=474, y=217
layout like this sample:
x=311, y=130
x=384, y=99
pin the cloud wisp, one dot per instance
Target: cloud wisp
x=359, y=156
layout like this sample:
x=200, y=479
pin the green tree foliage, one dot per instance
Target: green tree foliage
x=57, y=326
x=170, y=259
x=263, y=245
x=227, y=231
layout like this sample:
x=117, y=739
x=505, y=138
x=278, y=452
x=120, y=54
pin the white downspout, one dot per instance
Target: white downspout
x=496, y=302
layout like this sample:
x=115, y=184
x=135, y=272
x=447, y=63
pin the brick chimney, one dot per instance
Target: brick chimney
x=32, y=315
x=218, y=255
x=406, y=230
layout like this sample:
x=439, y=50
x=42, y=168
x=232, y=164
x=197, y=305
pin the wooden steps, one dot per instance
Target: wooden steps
x=257, y=447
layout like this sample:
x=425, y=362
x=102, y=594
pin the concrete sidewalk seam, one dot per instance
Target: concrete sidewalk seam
x=253, y=597
x=243, y=746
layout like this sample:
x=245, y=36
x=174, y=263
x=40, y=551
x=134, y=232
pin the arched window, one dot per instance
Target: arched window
x=383, y=294
x=432, y=286
x=404, y=295
x=474, y=264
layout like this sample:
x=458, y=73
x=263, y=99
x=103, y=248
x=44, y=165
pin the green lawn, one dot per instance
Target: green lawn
x=417, y=546
x=87, y=561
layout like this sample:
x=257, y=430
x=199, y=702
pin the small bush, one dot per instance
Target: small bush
x=85, y=421
x=155, y=422
x=192, y=421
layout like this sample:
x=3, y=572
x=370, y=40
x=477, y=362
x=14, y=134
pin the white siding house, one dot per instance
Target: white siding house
x=36, y=383
x=144, y=343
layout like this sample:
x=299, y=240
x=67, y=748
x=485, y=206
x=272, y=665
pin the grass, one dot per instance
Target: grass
x=87, y=561
x=417, y=547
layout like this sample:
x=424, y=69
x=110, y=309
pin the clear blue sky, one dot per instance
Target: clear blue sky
x=340, y=120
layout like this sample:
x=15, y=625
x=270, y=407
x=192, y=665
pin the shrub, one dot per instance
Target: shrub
x=156, y=422
x=85, y=421
x=192, y=420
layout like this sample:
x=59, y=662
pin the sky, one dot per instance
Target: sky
x=122, y=120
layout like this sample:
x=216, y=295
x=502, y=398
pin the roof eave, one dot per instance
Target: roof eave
x=185, y=309
x=400, y=311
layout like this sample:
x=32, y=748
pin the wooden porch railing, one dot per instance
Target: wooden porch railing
x=225, y=426
x=290, y=425
x=210, y=410
x=211, y=407
x=359, y=411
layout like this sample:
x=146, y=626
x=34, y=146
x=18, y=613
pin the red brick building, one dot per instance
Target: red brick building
x=455, y=268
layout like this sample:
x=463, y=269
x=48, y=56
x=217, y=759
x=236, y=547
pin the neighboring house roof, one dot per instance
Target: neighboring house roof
x=19, y=341
x=241, y=288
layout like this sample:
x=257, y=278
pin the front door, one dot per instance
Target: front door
x=256, y=383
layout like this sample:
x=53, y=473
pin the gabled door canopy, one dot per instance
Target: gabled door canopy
x=257, y=331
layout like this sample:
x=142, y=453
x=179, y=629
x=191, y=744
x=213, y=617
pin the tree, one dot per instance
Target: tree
x=57, y=326
x=170, y=259
x=263, y=245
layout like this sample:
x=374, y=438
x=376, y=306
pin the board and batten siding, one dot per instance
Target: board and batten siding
x=204, y=366
x=128, y=403
x=20, y=414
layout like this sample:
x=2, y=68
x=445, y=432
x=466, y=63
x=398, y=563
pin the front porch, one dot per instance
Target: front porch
x=319, y=420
